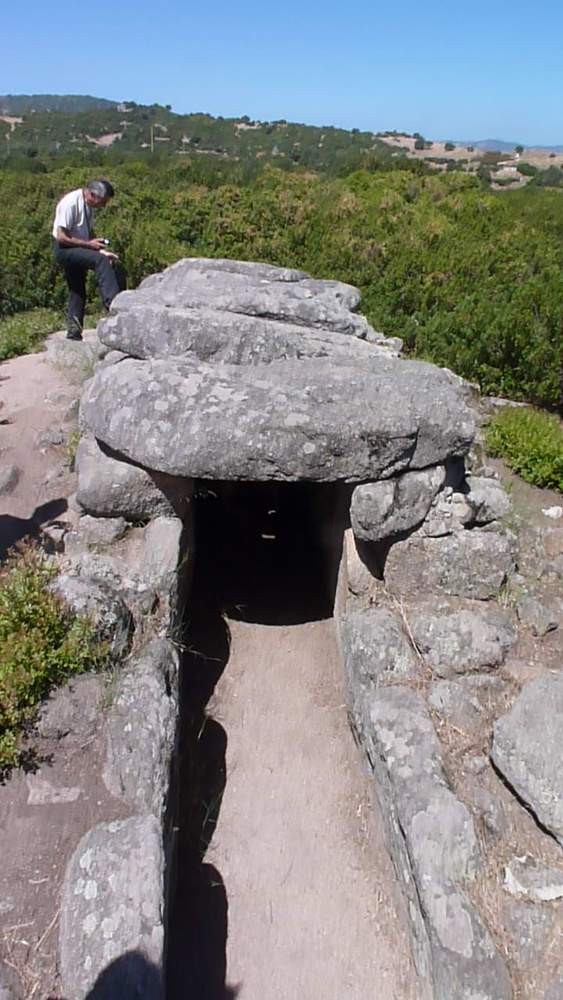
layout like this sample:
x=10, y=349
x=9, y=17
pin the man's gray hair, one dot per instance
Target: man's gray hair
x=101, y=188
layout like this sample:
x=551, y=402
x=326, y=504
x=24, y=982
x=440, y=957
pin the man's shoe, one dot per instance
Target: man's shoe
x=74, y=335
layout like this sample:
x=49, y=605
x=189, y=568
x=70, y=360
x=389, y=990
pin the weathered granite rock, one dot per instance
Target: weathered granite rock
x=375, y=647
x=525, y=876
x=97, y=601
x=487, y=806
x=251, y=291
x=454, y=642
x=392, y=506
x=111, y=902
x=286, y=420
x=527, y=749
x=214, y=336
x=487, y=499
x=111, y=488
x=540, y=617
x=528, y=929
x=449, y=513
x=456, y=706
x=472, y=564
x=141, y=729
x=114, y=572
x=101, y=530
x=162, y=552
x=73, y=708
x=257, y=373
x=442, y=846
x=360, y=580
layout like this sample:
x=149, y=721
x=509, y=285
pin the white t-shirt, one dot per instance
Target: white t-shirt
x=74, y=215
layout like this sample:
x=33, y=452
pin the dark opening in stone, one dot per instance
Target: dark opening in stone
x=270, y=552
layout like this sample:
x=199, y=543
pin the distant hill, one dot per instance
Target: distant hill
x=43, y=125
x=501, y=146
x=21, y=104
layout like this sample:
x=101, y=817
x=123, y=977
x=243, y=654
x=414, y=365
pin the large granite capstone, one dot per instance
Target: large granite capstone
x=241, y=371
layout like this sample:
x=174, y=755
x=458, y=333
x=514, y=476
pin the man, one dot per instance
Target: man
x=78, y=250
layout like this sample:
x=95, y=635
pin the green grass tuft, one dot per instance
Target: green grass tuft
x=531, y=443
x=41, y=645
x=25, y=333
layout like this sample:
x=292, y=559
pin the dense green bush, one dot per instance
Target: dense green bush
x=531, y=443
x=467, y=278
x=41, y=645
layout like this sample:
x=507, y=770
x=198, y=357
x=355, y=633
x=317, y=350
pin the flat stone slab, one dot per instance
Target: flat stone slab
x=287, y=420
x=527, y=749
x=244, y=371
x=112, y=904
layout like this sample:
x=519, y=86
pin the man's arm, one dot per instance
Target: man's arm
x=65, y=240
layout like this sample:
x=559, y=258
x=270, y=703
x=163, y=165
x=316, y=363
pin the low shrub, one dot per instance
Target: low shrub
x=41, y=645
x=531, y=443
x=25, y=332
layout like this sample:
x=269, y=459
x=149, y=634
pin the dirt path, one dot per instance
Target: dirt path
x=38, y=411
x=309, y=885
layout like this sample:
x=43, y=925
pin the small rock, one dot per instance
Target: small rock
x=528, y=929
x=73, y=709
x=487, y=499
x=475, y=764
x=392, y=506
x=162, y=552
x=554, y=512
x=456, y=706
x=111, y=488
x=376, y=647
x=9, y=477
x=71, y=411
x=360, y=580
x=52, y=436
x=527, y=749
x=488, y=807
x=473, y=564
x=526, y=877
x=101, y=530
x=540, y=618
x=464, y=640
x=97, y=601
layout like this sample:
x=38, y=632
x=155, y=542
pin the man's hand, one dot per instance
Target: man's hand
x=110, y=254
x=96, y=244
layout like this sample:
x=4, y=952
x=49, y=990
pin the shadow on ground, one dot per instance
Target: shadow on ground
x=17, y=529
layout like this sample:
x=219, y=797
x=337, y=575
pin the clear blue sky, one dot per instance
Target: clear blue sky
x=469, y=70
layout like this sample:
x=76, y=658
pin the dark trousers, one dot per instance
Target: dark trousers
x=75, y=262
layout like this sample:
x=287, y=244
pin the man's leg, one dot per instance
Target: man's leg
x=75, y=262
x=110, y=279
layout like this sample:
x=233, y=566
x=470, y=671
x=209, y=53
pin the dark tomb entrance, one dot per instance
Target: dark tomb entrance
x=265, y=553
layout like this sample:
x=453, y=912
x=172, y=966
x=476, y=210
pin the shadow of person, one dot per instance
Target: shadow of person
x=129, y=977
x=15, y=529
